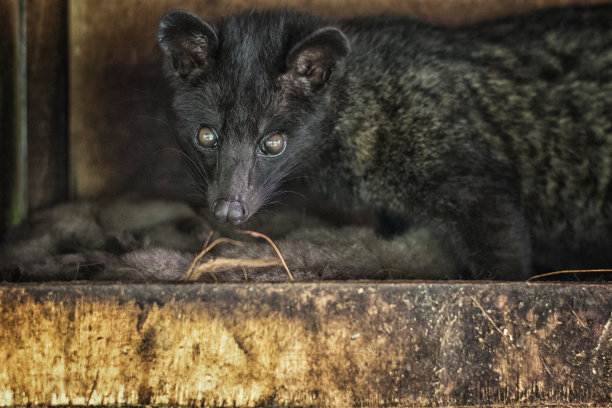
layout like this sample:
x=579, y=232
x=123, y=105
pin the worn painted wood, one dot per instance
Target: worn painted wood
x=118, y=96
x=310, y=344
x=47, y=40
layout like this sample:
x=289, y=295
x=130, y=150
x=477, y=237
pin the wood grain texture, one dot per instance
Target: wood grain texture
x=47, y=102
x=13, y=126
x=8, y=43
x=118, y=99
x=318, y=344
x=119, y=126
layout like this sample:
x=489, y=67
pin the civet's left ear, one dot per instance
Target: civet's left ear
x=311, y=62
x=188, y=42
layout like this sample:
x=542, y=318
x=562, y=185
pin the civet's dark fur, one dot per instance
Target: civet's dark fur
x=495, y=136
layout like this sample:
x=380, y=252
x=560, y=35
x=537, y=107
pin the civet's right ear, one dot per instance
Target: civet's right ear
x=311, y=62
x=188, y=42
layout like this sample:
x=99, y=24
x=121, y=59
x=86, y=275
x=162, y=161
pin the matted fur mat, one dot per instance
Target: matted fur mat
x=158, y=240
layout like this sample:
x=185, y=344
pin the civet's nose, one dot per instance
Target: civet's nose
x=233, y=211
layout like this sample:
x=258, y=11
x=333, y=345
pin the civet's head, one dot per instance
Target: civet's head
x=251, y=99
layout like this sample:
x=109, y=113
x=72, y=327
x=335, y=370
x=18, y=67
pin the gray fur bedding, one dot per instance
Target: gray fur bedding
x=136, y=239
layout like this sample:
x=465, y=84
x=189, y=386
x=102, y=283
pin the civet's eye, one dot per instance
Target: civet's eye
x=207, y=137
x=273, y=144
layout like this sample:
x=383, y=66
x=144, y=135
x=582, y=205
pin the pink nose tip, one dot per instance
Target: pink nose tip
x=233, y=211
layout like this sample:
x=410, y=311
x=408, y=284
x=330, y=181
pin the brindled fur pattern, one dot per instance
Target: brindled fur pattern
x=496, y=136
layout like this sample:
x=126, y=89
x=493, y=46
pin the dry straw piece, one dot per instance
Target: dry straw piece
x=567, y=272
x=195, y=271
x=259, y=235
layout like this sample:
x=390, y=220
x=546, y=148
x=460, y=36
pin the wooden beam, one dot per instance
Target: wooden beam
x=309, y=344
x=47, y=102
x=13, y=125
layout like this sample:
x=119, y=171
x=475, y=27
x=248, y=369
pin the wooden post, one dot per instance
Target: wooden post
x=47, y=40
x=13, y=120
x=308, y=344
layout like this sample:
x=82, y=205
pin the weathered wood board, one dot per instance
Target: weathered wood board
x=13, y=129
x=47, y=40
x=310, y=344
x=8, y=43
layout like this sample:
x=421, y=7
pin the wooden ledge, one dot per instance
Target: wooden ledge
x=306, y=344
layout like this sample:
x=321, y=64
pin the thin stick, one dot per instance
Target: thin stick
x=579, y=319
x=205, y=251
x=210, y=234
x=219, y=264
x=259, y=235
x=246, y=277
x=567, y=272
x=206, y=242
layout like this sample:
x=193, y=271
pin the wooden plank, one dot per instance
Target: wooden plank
x=118, y=97
x=310, y=344
x=13, y=135
x=8, y=41
x=47, y=102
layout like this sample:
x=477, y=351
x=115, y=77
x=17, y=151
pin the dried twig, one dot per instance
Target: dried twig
x=220, y=264
x=579, y=319
x=188, y=275
x=217, y=264
x=210, y=234
x=567, y=272
x=259, y=235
